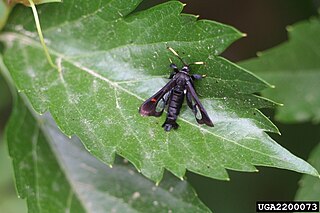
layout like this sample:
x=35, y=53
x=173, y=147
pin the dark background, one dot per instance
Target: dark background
x=264, y=22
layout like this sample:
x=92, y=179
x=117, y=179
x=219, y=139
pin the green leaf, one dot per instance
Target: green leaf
x=5, y=100
x=27, y=3
x=111, y=59
x=310, y=186
x=4, y=13
x=4, y=165
x=56, y=174
x=294, y=69
x=7, y=5
x=9, y=203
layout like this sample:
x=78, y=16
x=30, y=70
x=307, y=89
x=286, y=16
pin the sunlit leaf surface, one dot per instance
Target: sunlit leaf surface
x=56, y=174
x=111, y=59
x=294, y=68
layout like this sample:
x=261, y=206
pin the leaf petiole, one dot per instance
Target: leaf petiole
x=36, y=19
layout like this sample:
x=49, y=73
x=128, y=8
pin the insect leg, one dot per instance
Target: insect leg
x=175, y=70
x=197, y=76
x=171, y=75
x=174, y=67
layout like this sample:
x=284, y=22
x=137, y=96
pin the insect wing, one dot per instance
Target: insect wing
x=197, y=107
x=155, y=105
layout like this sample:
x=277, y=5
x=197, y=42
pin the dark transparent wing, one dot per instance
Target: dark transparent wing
x=195, y=105
x=155, y=105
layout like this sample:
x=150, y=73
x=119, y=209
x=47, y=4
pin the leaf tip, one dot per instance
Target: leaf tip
x=110, y=165
x=184, y=4
x=289, y=28
x=259, y=54
x=316, y=174
x=157, y=183
x=244, y=34
x=268, y=84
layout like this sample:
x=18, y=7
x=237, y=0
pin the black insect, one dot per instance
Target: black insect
x=172, y=94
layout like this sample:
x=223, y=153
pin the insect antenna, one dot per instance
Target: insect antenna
x=184, y=63
x=197, y=63
x=176, y=54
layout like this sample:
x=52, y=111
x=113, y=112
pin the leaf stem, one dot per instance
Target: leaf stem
x=36, y=19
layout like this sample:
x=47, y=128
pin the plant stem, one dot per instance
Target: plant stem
x=36, y=18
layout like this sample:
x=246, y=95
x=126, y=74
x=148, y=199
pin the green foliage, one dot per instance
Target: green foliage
x=4, y=13
x=5, y=99
x=294, y=68
x=56, y=174
x=111, y=59
x=310, y=186
x=4, y=165
x=27, y=2
x=9, y=203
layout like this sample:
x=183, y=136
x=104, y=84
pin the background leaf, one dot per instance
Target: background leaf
x=57, y=174
x=112, y=59
x=4, y=13
x=9, y=203
x=310, y=186
x=5, y=95
x=26, y=2
x=294, y=68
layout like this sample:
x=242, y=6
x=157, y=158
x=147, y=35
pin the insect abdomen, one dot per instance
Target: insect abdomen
x=174, y=107
x=175, y=104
